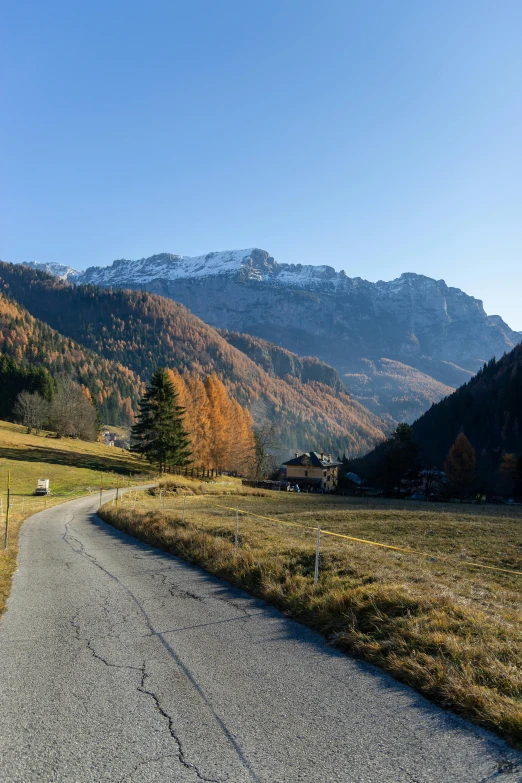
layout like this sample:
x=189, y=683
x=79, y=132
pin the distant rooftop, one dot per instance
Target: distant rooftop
x=313, y=459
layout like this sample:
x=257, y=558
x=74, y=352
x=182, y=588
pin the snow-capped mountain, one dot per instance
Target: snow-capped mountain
x=399, y=345
x=57, y=270
x=252, y=264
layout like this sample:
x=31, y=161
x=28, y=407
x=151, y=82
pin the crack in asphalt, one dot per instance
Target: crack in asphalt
x=127, y=777
x=180, y=755
x=71, y=540
x=174, y=589
x=89, y=645
x=230, y=602
x=170, y=723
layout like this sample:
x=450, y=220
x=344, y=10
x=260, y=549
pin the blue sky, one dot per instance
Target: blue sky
x=377, y=137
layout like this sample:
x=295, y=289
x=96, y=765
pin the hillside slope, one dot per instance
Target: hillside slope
x=115, y=388
x=279, y=362
x=389, y=387
x=142, y=331
x=437, y=334
x=488, y=410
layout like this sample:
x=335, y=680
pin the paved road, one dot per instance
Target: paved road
x=121, y=663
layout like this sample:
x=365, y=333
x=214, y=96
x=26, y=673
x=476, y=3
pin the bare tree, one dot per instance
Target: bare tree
x=72, y=413
x=265, y=449
x=31, y=410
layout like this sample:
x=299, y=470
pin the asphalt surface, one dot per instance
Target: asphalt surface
x=121, y=663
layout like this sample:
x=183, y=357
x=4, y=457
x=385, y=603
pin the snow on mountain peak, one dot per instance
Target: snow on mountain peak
x=57, y=270
x=250, y=264
x=167, y=266
x=159, y=272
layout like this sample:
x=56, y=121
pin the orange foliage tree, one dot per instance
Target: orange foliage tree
x=220, y=429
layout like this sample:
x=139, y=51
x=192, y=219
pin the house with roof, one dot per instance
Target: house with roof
x=313, y=471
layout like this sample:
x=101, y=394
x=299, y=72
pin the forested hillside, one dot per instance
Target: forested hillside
x=474, y=436
x=488, y=410
x=142, y=331
x=30, y=343
x=279, y=362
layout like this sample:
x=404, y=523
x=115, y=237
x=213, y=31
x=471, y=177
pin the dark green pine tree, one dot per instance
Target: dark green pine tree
x=401, y=461
x=159, y=435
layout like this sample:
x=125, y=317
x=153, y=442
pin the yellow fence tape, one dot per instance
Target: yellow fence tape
x=430, y=555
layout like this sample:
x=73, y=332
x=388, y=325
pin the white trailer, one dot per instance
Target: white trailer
x=42, y=487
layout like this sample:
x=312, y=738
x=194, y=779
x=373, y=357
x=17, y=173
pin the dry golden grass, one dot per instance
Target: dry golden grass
x=218, y=487
x=73, y=468
x=450, y=630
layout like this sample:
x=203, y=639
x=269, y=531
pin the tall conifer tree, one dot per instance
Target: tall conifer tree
x=159, y=433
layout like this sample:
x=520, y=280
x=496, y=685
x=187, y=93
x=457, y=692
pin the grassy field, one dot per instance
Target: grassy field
x=450, y=630
x=73, y=468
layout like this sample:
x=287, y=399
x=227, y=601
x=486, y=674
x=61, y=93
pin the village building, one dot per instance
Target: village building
x=313, y=472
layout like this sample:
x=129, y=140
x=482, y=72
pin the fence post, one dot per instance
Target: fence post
x=237, y=528
x=101, y=488
x=135, y=499
x=117, y=493
x=184, y=504
x=317, y=549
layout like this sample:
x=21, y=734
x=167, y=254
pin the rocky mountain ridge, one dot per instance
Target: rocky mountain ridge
x=61, y=271
x=257, y=265
x=432, y=336
x=138, y=331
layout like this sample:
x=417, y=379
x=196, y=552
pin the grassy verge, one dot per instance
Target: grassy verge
x=73, y=468
x=451, y=631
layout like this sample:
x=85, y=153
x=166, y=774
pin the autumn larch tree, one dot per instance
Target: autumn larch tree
x=220, y=429
x=231, y=430
x=201, y=430
x=460, y=465
x=218, y=405
x=159, y=434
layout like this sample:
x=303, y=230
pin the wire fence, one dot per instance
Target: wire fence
x=27, y=505
x=238, y=513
